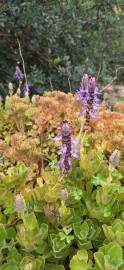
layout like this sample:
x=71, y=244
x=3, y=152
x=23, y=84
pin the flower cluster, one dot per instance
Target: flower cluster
x=88, y=96
x=20, y=204
x=24, y=87
x=18, y=74
x=67, y=149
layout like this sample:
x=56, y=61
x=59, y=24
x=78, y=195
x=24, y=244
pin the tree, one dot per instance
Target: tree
x=61, y=39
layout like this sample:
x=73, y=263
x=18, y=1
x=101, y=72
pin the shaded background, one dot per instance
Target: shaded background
x=60, y=40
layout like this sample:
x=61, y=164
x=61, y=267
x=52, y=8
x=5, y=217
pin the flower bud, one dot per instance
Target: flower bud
x=10, y=86
x=64, y=194
x=20, y=204
x=114, y=159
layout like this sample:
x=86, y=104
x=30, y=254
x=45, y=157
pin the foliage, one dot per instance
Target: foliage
x=61, y=40
x=119, y=107
x=80, y=261
x=109, y=257
x=48, y=222
x=27, y=128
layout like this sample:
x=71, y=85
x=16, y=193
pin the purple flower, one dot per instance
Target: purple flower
x=25, y=87
x=67, y=149
x=19, y=75
x=88, y=96
x=20, y=204
x=64, y=194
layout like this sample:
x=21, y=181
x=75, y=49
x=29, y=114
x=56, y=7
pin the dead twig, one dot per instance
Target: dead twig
x=23, y=62
x=69, y=83
x=115, y=78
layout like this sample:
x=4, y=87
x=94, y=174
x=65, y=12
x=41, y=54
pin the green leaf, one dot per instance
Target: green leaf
x=99, y=259
x=97, y=180
x=109, y=256
x=30, y=263
x=54, y=267
x=116, y=255
x=116, y=175
x=82, y=255
x=3, y=233
x=8, y=266
x=88, y=5
x=57, y=60
x=30, y=221
x=79, y=261
x=11, y=233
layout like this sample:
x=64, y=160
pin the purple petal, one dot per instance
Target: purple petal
x=74, y=148
x=63, y=149
x=74, y=141
x=65, y=129
x=75, y=152
x=60, y=162
x=25, y=87
x=63, y=169
x=76, y=155
x=19, y=75
x=70, y=163
x=57, y=138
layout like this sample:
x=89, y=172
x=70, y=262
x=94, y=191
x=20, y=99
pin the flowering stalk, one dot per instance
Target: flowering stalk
x=25, y=88
x=23, y=84
x=88, y=96
x=21, y=74
x=67, y=148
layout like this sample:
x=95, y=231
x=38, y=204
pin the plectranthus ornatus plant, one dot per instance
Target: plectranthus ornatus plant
x=68, y=148
x=20, y=77
x=88, y=96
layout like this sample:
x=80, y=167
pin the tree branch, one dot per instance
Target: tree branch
x=115, y=78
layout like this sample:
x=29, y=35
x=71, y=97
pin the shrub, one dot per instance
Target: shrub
x=50, y=222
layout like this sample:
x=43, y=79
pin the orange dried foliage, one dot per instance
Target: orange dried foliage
x=119, y=107
x=49, y=111
x=109, y=129
x=21, y=149
x=28, y=126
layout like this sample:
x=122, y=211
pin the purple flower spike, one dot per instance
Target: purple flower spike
x=65, y=129
x=88, y=96
x=25, y=88
x=19, y=75
x=67, y=149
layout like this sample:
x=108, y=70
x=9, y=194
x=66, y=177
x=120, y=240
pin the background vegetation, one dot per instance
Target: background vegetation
x=61, y=39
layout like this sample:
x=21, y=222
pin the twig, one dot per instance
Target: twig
x=115, y=78
x=23, y=62
x=69, y=84
x=51, y=85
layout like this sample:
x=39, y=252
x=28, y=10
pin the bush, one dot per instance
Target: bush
x=50, y=222
x=60, y=41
